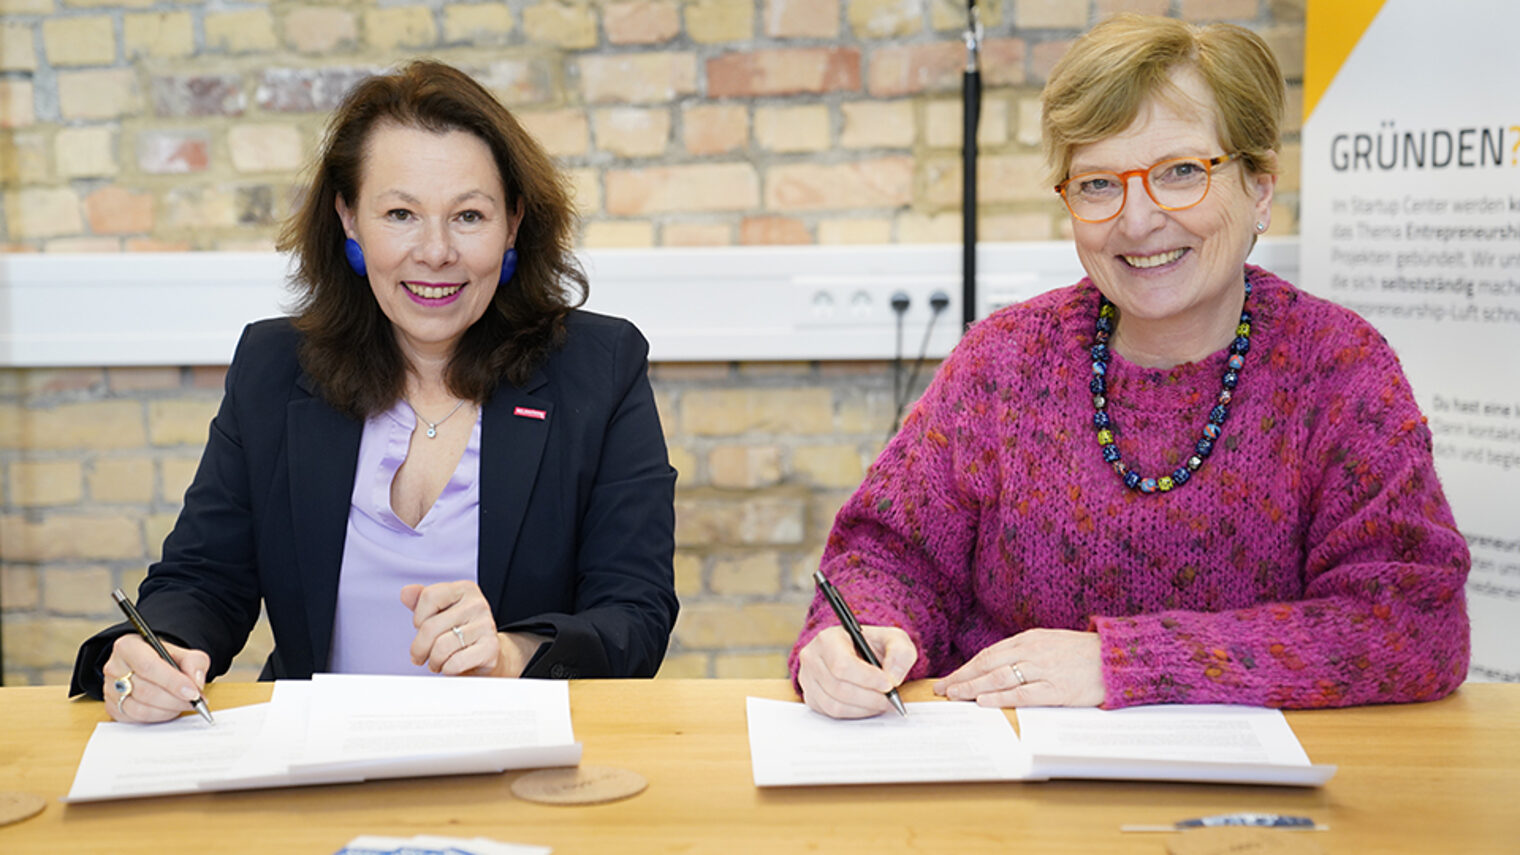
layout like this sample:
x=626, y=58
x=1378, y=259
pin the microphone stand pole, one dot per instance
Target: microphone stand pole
x=971, y=114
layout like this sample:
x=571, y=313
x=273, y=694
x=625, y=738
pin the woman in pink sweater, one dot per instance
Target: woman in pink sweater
x=1181, y=480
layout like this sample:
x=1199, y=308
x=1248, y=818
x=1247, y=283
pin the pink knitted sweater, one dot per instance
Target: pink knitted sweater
x=1311, y=562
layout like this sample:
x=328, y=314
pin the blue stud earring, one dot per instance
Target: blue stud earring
x=355, y=256
x=508, y=266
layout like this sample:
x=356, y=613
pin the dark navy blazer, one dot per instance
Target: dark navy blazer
x=577, y=521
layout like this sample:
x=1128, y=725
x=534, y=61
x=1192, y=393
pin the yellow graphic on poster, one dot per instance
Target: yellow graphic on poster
x=1331, y=30
x=1410, y=216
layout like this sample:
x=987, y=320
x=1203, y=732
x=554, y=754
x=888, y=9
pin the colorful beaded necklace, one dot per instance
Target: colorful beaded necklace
x=1104, y=423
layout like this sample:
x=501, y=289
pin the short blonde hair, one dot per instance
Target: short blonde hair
x=1099, y=86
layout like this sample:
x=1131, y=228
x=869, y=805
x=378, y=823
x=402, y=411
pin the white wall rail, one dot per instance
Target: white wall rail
x=704, y=304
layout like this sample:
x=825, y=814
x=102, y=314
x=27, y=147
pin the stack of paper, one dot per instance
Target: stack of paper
x=333, y=729
x=790, y=745
x=1210, y=743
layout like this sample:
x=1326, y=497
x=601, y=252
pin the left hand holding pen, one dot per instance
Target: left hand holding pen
x=456, y=633
x=1036, y=668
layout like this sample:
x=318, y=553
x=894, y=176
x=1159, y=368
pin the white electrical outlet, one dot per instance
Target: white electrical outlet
x=855, y=302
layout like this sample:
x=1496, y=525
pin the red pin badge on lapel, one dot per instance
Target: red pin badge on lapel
x=530, y=413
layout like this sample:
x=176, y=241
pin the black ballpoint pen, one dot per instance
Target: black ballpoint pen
x=852, y=626
x=152, y=638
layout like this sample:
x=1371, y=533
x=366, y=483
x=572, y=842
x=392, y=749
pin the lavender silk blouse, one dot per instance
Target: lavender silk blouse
x=373, y=632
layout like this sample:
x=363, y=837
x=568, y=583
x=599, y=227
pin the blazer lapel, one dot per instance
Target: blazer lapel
x=323, y=454
x=514, y=428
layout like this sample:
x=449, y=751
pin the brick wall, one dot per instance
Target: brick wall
x=93, y=464
x=138, y=125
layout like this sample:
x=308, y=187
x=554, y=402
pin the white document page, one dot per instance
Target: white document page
x=337, y=729
x=279, y=744
x=790, y=745
x=126, y=760
x=1168, y=742
x=477, y=846
x=365, y=722
x=427, y=844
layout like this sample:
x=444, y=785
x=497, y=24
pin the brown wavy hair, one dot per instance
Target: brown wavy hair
x=348, y=346
x=1099, y=86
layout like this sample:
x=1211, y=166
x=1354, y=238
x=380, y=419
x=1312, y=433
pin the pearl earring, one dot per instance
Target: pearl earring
x=1261, y=227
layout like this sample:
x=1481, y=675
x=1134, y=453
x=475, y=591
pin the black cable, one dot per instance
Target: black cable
x=971, y=114
x=900, y=303
x=938, y=302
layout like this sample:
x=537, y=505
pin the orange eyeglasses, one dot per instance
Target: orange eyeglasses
x=1174, y=185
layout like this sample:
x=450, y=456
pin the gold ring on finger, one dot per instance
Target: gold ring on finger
x=1019, y=675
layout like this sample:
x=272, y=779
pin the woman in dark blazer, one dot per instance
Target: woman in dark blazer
x=344, y=485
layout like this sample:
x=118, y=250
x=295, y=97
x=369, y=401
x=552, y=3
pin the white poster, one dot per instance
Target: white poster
x=1410, y=215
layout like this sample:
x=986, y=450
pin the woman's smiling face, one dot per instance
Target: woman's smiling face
x=433, y=220
x=1183, y=267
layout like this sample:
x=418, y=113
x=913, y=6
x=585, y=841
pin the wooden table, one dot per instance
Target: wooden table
x=1438, y=777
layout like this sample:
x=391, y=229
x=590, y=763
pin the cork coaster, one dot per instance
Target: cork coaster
x=580, y=785
x=15, y=807
x=1229, y=840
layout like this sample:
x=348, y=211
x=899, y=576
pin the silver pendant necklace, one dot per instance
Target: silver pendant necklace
x=432, y=427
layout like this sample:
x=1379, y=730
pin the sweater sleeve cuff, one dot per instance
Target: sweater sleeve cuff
x=1138, y=666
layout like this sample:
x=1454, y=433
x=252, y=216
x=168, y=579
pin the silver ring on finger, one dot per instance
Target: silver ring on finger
x=459, y=634
x=1019, y=675
x=123, y=687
